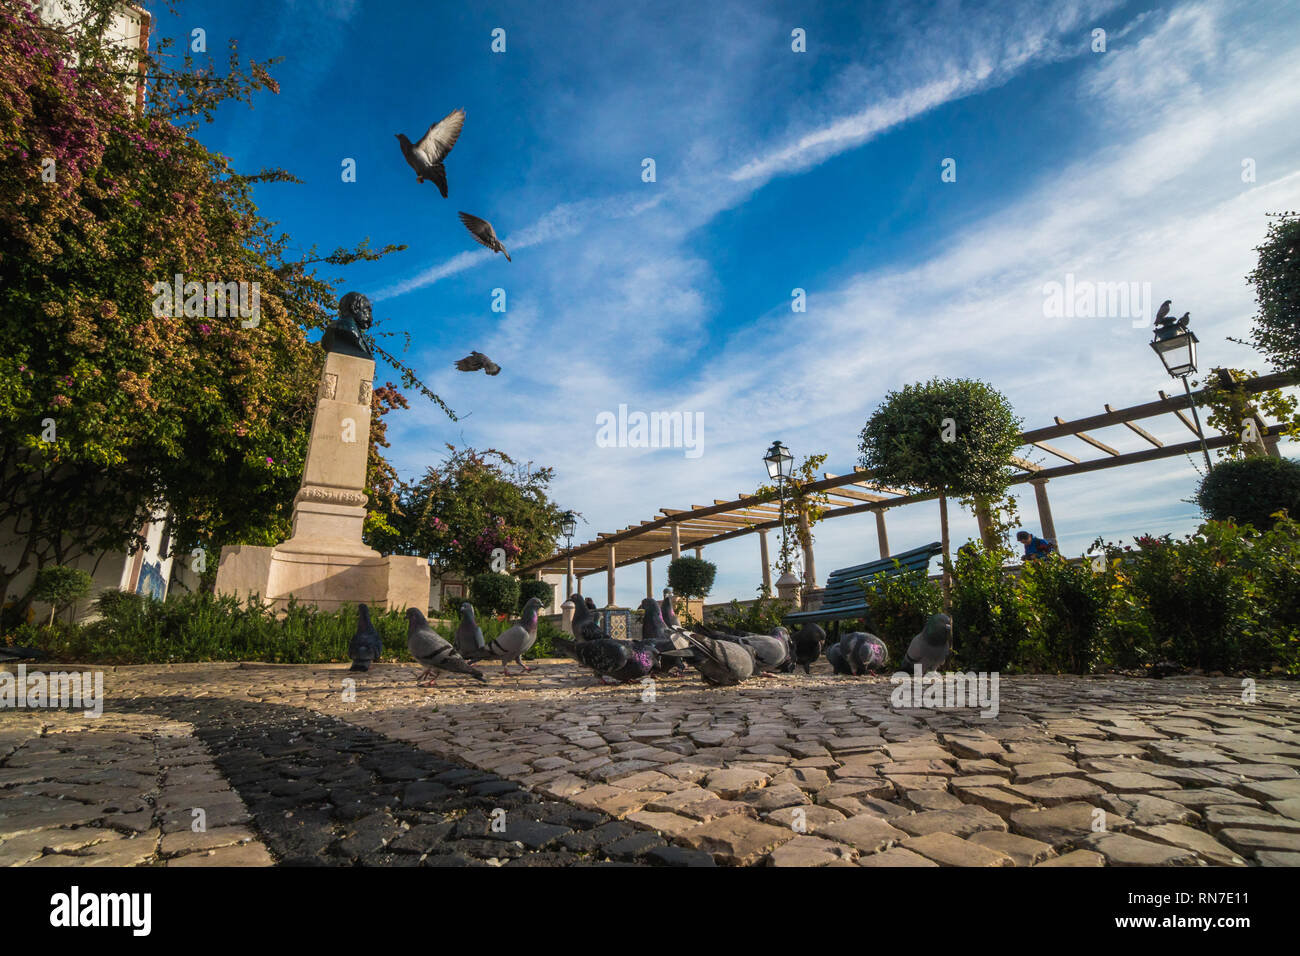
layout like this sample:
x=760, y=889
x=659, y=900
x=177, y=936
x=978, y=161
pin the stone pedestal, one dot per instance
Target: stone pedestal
x=325, y=562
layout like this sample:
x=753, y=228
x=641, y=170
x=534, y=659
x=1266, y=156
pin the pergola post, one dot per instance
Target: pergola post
x=767, y=569
x=984, y=518
x=649, y=579
x=809, y=564
x=609, y=577
x=677, y=541
x=881, y=534
x=1047, y=526
x=699, y=552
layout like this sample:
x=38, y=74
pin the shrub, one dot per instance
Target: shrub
x=990, y=619
x=760, y=617
x=1069, y=607
x=533, y=588
x=691, y=577
x=493, y=593
x=900, y=604
x=59, y=586
x=1203, y=601
x=1251, y=490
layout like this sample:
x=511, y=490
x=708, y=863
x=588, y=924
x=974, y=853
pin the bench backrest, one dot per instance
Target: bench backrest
x=842, y=586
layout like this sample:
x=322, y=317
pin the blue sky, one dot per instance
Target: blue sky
x=779, y=170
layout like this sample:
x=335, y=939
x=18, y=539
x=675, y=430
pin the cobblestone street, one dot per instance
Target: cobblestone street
x=251, y=765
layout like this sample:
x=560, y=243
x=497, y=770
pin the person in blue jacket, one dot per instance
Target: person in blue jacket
x=1035, y=548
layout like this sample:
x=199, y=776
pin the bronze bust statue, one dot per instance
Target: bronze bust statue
x=346, y=333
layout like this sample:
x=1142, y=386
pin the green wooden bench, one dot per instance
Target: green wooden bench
x=843, y=597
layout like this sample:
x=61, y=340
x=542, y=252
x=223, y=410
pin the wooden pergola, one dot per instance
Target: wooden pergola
x=672, y=529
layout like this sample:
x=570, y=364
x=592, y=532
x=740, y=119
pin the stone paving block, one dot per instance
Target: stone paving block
x=1148, y=810
x=775, y=797
x=1022, y=850
x=896, y=856
x=930, y=800
x=960, y=822
x=1189, y=838
x=808, y=779
x=1055, y=791
x=948, y=850
x=249, y=854
x=1045, y=769
x=731, y=783
x=1064, y=824
x=866, y=832
x=1120, y=849
x=995, y=799
x=1131, y=782
x=811, y=851
x=1251, y=842
x=737, y=840
x=1277, y=858
x=184, y=841
x=811, y=818
x=715, y=807
x=1076, y=858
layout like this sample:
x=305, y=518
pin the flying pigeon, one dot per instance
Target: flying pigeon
x=721, y=663
x=477, y=360
x=469, y=636
x=931, y=647
x=654, y=630
x=612, y=660
x=669, y=609
x=586, y=624
x=483, y=233
x=808, y=646
x=365, y=647
x=426, y=156
x=514, y=642
x=858, y=653
x=429, y=648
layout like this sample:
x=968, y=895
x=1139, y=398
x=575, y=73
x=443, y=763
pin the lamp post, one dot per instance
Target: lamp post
x=568, y=527
x=1175, y=343
x=779, y=460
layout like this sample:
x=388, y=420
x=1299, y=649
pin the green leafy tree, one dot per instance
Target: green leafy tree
x=691, y=577
x=59, y=586
x=544, y=591
x=462, y=510
x=1276, y=278
x=946, y=437
x=111, y=405
x=1251, y=491
x=803, y=508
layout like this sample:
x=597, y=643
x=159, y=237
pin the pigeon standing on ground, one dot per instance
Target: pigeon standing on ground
x=771, y=651
x=429, y=648
x=654, y=630
x=365, y=647
x=469, y=636
x=619, y=661
x=426, y=156
x=721, y=663
x=808, y=646
x=931, y=647
x=477, y=360
x=589, y=604
x=669, y=610
x=858, y=653
x=514, y=642
x=483, y=233
x=586, y=623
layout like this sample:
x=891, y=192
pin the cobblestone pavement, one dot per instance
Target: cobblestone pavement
x=319, y=765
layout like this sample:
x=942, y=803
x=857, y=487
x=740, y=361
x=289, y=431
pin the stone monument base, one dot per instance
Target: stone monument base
x=329, y=581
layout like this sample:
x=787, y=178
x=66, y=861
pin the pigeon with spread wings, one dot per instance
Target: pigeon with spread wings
x=483, y=233
x=477, y=360
x=426, y=156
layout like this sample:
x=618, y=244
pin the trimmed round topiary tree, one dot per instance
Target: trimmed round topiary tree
x=493, y=593
x=691, y=577
x=944, y=436
x=533, y=588
x=59, y=586
x=1251, y=490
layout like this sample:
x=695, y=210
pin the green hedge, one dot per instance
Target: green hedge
x=1251, y=490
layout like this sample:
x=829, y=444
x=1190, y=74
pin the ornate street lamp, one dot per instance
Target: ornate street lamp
x=779, y=463
x=1175, y=343
x=568, y=528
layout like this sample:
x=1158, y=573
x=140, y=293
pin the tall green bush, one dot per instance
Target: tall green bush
x=1070, y=607
x=493, y=593
x=990, y=616
x=58, y=586
x=1251, y=490
x=691, y=577
x=544, y=591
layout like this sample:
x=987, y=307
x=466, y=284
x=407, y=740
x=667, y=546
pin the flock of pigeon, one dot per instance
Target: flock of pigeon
x=723, y=657
x=426, y=158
